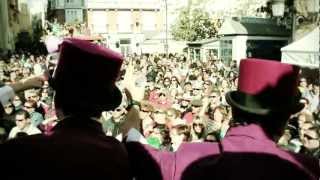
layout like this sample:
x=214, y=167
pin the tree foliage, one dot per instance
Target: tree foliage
x=193, y=25
x=31, y=42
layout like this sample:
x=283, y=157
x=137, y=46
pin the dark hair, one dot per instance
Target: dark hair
x=188, y=82
x=273, y=124
x=24, y=113
x=82, y=112
x=211, y=137
x=176, y=78
x=185, y=130
x=223, y=110
x=32, y=103
x=165, y=133
x=192, y=77
x=193, y=65
x=21, y=134
x=1, y=111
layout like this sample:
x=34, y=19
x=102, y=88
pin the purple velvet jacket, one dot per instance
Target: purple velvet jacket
x=245, y=153
x=76, y=150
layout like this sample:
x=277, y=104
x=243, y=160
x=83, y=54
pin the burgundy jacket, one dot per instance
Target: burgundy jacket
x=245, y=153
x=76, y=149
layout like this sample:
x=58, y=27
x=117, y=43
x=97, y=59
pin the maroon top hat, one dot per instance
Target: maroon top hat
x=266, y=86
x=85, y=77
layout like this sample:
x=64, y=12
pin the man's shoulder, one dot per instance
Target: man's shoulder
x=310, y=163
x=200, y=146
x=30, y=139
x=193, y=151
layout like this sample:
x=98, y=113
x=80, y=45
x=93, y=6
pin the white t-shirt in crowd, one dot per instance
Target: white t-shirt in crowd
x=30, y=130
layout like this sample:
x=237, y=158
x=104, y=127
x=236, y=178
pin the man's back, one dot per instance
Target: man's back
x=249, y=166
x=75, y=150
x=245, y=153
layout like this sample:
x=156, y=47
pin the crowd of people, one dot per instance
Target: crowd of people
x=63, y=30
x=178, y=100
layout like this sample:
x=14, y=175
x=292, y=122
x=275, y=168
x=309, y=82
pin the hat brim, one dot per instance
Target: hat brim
x=231, y=98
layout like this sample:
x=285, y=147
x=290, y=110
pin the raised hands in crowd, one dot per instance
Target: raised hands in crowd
x=169, y=100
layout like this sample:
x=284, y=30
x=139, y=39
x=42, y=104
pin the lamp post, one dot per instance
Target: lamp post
x=166, y=42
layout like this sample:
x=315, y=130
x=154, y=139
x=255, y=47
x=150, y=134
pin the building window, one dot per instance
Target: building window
x=69, y=1
x=99, y=21
x=124, y=19
x=60, y=3
x=74, y=15
x=226, y=50
x=148, y=21
x=107, y=27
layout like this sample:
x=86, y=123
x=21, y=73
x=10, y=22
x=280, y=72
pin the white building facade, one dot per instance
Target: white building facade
x=68, y=11
x=125, y=24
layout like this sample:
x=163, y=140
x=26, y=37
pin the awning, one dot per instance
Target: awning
x=304, y=52
x=252, y=27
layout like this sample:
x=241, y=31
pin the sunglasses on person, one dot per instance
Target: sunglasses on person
x=159, y=112
x=144, y=110
x=170, y=115
x=28, y=107
x=198, y=124
x=196, y=106
x=212, y=97
x=308, y=137
x=9, y=106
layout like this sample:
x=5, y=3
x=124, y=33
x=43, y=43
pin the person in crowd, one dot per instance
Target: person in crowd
x=83, y=149
x=198, y=129
x=10, y=111
x=17, y=103
x=218, y=122
x=159, y=116
x=7, y=121
x=35, y=97
x=36, y=118
x=23, y=124
x=314, y=98
x=184, y=103
x=171, y=115
x=113, y=124
x=196, y=106
x=303, y=87
x=179, y=134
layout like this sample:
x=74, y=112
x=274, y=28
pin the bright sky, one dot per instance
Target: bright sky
x=36, y=5
x=219, y=5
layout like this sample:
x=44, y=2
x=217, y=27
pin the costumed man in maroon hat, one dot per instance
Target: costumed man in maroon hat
x=84, y=83
x=267, y=96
